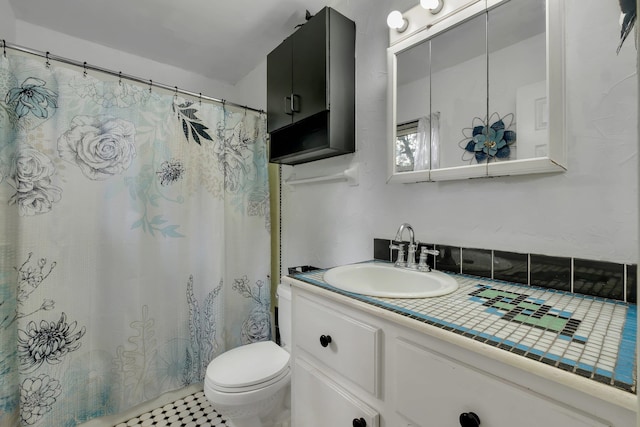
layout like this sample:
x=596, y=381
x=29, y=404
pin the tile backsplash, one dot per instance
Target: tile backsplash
x=588, y=277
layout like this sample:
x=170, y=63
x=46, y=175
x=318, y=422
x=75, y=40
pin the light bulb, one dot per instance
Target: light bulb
x=396, y=21
x=434, y=6
x=429, y=4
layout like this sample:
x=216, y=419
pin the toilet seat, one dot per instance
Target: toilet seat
x=247, y=368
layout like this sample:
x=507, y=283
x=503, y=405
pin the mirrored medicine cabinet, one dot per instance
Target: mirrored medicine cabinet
x=477, y=90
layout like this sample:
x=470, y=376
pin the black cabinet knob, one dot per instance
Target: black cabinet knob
x=325, y=340
x=359, y=422
x=469, y=419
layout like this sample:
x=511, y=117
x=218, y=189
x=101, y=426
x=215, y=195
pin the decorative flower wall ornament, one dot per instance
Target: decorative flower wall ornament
x=628, y=16
x=102, y=146
x=48, y=342
x=483, y=142
x=32, y=97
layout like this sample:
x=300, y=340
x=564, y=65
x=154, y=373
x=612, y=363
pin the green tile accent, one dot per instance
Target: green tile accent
x=552, y=323
x=538, y=316
x=504, y=305
x=529, y=306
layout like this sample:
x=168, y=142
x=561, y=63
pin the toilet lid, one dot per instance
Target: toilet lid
x=248, y=365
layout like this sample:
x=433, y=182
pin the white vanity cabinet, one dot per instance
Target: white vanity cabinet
x=385, y=370
x=336, y=359
x=321, y=402
x=433, y=390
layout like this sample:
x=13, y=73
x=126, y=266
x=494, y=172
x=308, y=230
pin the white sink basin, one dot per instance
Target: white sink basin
x=385, y=280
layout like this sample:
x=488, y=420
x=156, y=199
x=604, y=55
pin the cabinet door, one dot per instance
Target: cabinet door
x=319, y=402
x=432, y=390
x=279, y=75
x=353, y=349
x=310, y=67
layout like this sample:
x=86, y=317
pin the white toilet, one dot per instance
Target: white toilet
x=250, y=384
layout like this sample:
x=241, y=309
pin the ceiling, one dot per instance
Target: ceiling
x=221, y=40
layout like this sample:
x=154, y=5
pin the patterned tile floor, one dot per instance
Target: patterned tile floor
x=589, y=336
x=190, y=411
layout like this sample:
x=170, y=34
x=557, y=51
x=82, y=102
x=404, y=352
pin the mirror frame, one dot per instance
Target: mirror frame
x=424, y=26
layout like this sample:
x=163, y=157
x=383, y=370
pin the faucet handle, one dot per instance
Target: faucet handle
x=422, y=264
x=427, y=251
x=400, y=262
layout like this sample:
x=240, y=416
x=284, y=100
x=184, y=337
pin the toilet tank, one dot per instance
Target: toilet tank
x=284, y=315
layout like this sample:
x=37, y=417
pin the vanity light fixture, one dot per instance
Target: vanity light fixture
x=434, y=6
x=396, y=21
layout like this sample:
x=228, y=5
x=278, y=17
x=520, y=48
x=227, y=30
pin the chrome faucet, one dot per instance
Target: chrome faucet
x=411, y=257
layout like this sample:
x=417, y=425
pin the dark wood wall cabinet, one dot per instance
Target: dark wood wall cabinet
x=311, y=91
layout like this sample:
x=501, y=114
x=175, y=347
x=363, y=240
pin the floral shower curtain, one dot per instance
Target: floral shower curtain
x=134, y=241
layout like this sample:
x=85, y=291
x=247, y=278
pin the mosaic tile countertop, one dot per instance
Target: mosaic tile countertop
x=589, y=336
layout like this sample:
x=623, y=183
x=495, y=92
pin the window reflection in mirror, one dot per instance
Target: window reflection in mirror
x=413, y=102
x=406, y=146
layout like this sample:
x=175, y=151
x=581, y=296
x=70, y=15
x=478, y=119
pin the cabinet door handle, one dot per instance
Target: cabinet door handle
x=295, y=103
x=469, y=419
x=359, y=422
x=325, y=340
x=288, y=103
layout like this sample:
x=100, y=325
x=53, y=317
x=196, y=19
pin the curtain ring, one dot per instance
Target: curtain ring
x=175, y=94
x=4, y=48
x=120, y=78
x=200, y=99
x=85, y=69
x=150, y=85
x=47, y=63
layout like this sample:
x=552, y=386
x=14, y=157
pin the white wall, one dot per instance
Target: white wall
x=45, y=40
x=7, y=22
x=252, y=89
x=590, y=211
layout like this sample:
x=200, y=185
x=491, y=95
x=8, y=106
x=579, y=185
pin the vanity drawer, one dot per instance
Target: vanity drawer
x=319, y=402
x=346, y=345
x=434, y=390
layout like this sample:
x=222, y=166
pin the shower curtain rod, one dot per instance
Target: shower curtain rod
x=48, y=56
